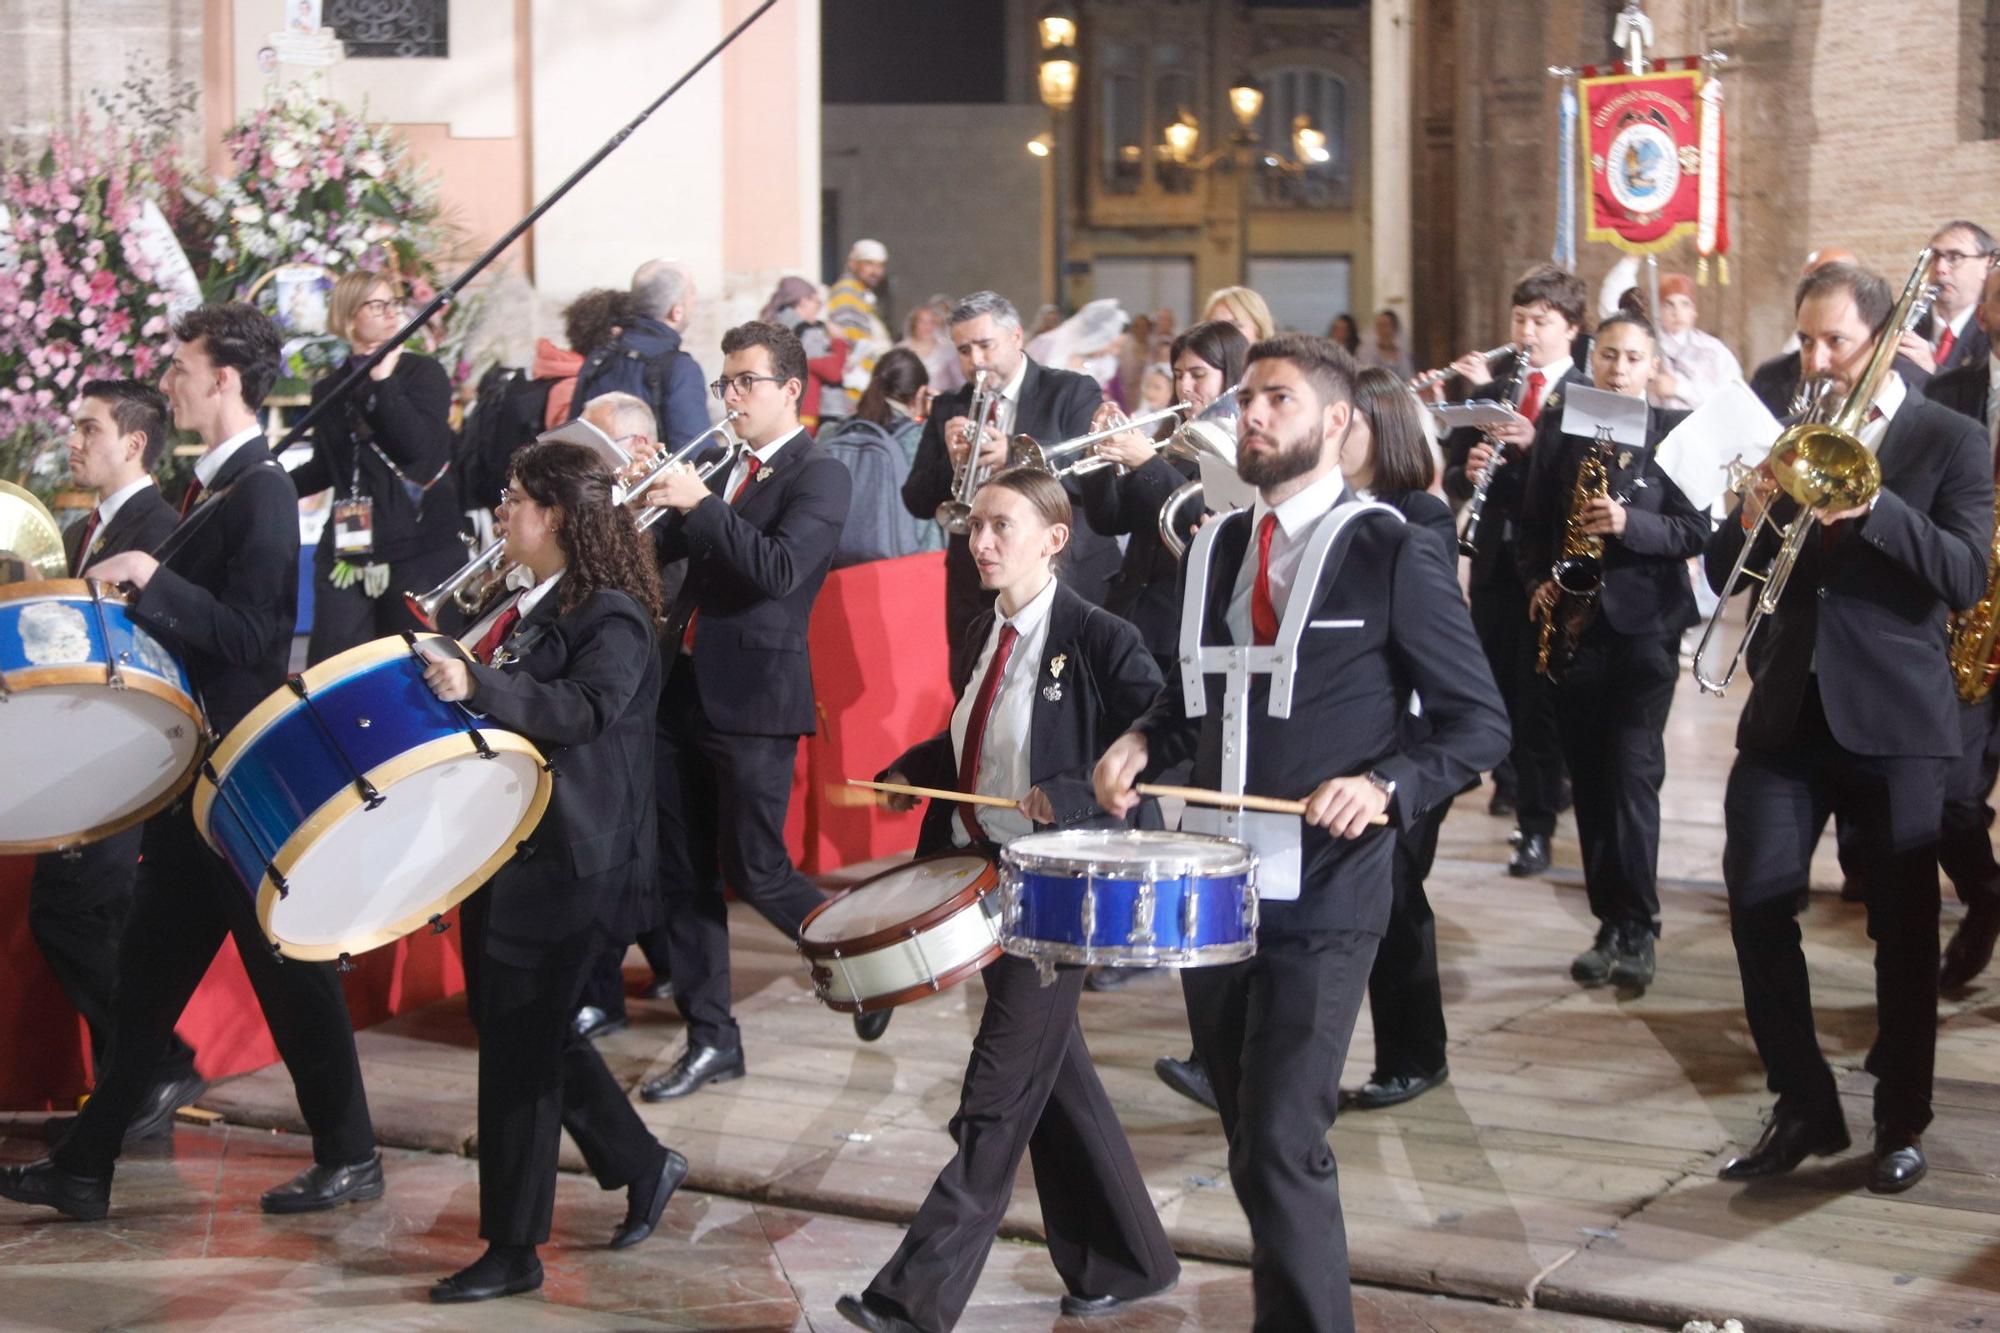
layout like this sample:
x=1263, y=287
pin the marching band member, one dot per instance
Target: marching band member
x=1612, y=698
x=1273, y=1030
x=758, y=538
x=1860, y=625
x=78, y=899
x=580, y=678
x=1548, y=305
x=1056, y=678
x=222, y=591
x=1045, y=402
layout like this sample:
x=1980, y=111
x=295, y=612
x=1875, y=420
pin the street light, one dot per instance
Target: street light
x=1057, y=81
x=1246, y=99
x=1042, y=144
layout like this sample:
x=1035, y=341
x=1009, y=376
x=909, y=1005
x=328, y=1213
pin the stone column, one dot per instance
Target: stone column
x=1390, y=140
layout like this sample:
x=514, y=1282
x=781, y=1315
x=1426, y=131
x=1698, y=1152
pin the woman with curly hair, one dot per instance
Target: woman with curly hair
x=573, y=667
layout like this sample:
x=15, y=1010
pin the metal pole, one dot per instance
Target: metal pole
x=1059, y=164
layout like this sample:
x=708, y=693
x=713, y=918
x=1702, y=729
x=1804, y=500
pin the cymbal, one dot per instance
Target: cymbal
x=31, y=544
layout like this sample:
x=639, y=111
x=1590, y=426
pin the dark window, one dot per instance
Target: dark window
x=391, y=29
x=874, y=51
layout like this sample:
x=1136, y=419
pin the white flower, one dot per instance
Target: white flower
x=286, y=154
x=378, y=232
x=248, y=215
x=370, y=163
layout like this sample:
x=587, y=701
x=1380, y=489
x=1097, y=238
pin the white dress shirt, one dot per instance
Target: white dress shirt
x=533, y=596
x=1297, y=517
x=1956, y=324
x=1993, y=404
x=1003, y=752
x=211, y=462
x=108, y=506
x=763, y=457
x=1894, y=391
x=1552, y=374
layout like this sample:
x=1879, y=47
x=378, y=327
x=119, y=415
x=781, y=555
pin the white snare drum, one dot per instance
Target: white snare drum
x=905, y=934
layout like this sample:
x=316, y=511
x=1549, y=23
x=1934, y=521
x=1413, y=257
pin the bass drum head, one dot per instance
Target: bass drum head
x=894, y=899
x=86, y=760
x=358, y=878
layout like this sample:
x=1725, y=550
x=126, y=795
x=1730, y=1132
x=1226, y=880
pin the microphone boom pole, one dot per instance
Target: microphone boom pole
x=493, y=252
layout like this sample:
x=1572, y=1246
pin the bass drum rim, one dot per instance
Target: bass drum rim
x=982, y=884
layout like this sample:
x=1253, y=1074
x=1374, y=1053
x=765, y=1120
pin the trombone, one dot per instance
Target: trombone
x=475, y=581
x=953, y=513
x=1821, y=463
x=1024, y=451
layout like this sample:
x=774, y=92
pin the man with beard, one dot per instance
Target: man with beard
x=1385, y=620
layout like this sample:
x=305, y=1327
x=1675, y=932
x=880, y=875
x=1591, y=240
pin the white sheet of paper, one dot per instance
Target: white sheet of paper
x=1477, y=413
x=583, y=433
x=1731, y=424
x=1275, y=839
x=1586, y=409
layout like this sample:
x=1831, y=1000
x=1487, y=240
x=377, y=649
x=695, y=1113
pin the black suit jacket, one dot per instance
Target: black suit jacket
x=1496, y=558
x=140, y=524
x=1646, y=590
x=1867, y=607
x=754, y=570
x=1777, y=380
x=1055, y=405
x=1964, y=389
x=1146, y=590
x=1108, y=680
x=1971, y=348
x=408, y=416
x=586, y=689
x=1412, y=632
x=227, y=591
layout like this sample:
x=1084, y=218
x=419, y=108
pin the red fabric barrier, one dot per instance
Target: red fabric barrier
x=880, y=670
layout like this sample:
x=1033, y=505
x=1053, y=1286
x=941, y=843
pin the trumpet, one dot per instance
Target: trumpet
x=1024, y=451
x=1418, y=383
x=474, y=582
x=953, y=513
x=1821, y=463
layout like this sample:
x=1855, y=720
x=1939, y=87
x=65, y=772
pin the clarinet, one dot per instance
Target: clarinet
x=1475, y=508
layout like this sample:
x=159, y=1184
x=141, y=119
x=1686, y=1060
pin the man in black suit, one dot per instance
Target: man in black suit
x=1548, y=305
x=1965, y=844
x=223, y=591
x=1044, y=402
x=78, y=898
x=1273, y=1030
x=1949, y=336
x=1776, y=382
x=758, y=538
x=1616, y=686
x=1852, y=712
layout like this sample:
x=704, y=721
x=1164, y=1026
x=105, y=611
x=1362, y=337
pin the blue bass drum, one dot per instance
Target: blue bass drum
x=356, y=806
x=98, y=726
x=1125, y=898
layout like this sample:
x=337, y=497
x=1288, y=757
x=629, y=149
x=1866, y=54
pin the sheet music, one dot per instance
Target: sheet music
x=1697, y=453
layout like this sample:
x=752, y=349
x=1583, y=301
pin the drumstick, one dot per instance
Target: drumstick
x=903, y=789
x=1203, y=796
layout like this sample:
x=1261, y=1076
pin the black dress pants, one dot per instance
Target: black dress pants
x=1612, y=714
x=186, y=899
x=77, y=904
x=722, y=799
x=1777, y=805
x=1965, y=843
x=348, y=617
x=1500, y=617
x=537, y=1078
x=1273, y=1032
x=1405, y=1000
x=1030, y=1087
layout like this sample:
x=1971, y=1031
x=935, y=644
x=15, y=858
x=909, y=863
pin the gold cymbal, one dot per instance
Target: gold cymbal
x=31, y=544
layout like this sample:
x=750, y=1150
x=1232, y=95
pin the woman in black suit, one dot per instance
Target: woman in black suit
x=386, y=453
x=1051, y=681
x=576, y=671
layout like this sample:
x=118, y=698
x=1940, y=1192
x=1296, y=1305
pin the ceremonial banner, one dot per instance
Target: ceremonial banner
x=1643, y=136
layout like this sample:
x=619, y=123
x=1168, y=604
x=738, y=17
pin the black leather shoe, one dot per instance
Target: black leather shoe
x=495, y=1273
x=81, y=1197
x=318, y=1188
x=1188, y=1078
x=1593, y=965
x=643, y=1207
x=1531, y=856
x=870, y=1027
x=1970, y=948
x=592, y=1022
x=661, y=989
x=1378, y=1093
x=153, y=1120
x=698, y=1067
x=1789, y=1139
x=857, y=1311
x=1899, y=1161
x=1501, y=805
x=1633, y=963
x=1084, y=1307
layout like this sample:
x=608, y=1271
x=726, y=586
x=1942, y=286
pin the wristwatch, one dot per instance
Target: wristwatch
x=1387, y=786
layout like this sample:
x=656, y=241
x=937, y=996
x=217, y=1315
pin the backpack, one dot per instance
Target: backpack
x=622, y=369
x=877, y=527
x=506, y=413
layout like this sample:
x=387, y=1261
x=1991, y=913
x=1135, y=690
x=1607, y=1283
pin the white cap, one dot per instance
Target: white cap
x=870, y=252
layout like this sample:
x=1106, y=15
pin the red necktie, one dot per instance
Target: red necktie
x=749, y=475
x=489, y=642
x=193, y=494
x=1946, y=341
x=1531, y=406
x=1263, y=612
x=975, y=728
x=83, y=547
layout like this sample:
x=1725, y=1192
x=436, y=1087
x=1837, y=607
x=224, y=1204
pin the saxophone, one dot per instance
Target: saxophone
x=1579, y=569
x=1973, y=632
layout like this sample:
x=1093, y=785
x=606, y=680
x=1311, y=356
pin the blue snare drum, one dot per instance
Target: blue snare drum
x=356, y=806
x=1122, y=898
x=98, y=726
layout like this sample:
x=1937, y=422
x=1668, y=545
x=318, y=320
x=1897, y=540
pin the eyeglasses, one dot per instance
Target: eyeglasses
x=378, y=306
x=1956, y=257
x=514, y=497
x=743, y=384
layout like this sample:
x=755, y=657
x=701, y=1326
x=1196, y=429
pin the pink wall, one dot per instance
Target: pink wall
x=763, y=145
